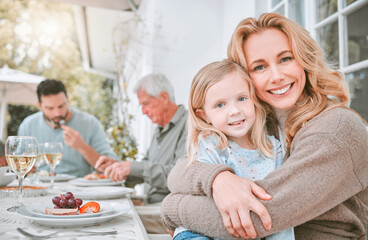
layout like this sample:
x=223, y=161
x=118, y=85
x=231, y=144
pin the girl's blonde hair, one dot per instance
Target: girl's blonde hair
x=325, y=88
x=205, y=78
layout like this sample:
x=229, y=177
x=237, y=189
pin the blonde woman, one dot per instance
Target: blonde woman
x=227, y=126
x=321, y=188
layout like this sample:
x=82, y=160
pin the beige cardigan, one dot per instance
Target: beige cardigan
x=321, y=189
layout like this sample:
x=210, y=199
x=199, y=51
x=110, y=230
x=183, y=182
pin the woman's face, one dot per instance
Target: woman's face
x=278, y=78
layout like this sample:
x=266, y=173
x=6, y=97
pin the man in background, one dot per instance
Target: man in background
x=82, y=134
x=156, y=96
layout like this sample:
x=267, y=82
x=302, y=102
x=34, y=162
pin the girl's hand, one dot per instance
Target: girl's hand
x=236, y=197
x=171, y=232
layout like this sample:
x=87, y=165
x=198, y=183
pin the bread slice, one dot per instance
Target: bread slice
x=61, y=211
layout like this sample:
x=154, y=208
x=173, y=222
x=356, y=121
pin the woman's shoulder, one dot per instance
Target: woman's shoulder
x=338, y=121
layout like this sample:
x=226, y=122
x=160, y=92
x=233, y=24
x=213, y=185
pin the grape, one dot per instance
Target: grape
x=57, y=206
x=56, y=200
x=72, y=203
x=63, y=203
x=68, y=195
x=79, y=201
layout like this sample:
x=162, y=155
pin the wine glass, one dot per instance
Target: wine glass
x=40, y=160
x=53, y=153
x=21, y=154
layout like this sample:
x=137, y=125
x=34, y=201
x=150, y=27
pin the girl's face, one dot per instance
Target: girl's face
x=278, y=78
x=228, y=107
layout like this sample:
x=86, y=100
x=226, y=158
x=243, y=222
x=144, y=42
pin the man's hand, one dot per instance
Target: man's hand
x=236, y=197
x=3, y=162
x=72, y=138
x=103, y=162
x=118, y=171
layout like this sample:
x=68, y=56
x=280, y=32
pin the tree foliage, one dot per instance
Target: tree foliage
x=40, y=37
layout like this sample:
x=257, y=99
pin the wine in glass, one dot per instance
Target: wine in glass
x=53, y=153
x=20, y=153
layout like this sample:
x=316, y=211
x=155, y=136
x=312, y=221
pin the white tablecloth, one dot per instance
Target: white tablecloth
x=129, y=225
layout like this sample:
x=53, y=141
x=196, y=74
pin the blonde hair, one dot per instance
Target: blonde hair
x=204, y=79
x=325, y=88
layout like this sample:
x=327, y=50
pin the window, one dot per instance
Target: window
x=341, y=31
x=293, y=9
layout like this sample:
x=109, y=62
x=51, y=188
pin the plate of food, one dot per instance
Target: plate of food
x=28, y=212
x=47, y=211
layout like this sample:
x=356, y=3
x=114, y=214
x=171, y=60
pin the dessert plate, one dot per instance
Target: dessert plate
x=39, y=211
x=118, y=209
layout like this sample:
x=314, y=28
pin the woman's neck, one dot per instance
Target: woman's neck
x=281, y=115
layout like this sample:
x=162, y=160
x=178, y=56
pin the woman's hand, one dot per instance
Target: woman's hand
x=236, y=197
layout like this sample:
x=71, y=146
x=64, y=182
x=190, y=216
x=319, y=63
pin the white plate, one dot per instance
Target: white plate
x=57, y=178
x=39, y=211
x=119, y=209
x=82, y=182
x=99, y=193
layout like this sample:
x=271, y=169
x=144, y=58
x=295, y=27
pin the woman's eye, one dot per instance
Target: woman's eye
x=219, y=105
x=242, y=99
x=260, y=67
x=285, y=59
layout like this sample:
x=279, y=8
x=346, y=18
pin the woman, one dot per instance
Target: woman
x=321, y=187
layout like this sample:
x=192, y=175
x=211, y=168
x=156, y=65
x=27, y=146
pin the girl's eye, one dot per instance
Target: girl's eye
x=219, y=105
x=242, y=99
x=258, y=68
x=285, y=59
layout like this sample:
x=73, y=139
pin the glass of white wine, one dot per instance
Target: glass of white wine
x=21, y=154
x=53, y=153
x=40, y=160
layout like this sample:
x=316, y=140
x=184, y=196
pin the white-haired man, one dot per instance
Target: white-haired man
x=156, y=97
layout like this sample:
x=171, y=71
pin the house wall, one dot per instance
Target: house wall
x=185, y=35
x=192, y=34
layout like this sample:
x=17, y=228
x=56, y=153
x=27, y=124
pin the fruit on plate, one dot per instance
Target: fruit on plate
x=67, y=200
x=94, y=176
x=93, y=206
x=61, y=211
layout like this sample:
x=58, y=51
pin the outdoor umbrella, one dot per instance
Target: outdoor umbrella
x=16, y=87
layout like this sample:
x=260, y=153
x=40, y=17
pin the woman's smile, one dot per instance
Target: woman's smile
x=281, y=90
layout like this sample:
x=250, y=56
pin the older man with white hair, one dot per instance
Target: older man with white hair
x=156, y=97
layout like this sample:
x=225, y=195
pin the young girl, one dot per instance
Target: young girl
x=227, y=126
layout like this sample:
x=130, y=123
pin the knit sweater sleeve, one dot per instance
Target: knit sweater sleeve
x=194, y=178
x=326, y=167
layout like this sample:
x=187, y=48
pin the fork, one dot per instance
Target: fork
x=31, y=235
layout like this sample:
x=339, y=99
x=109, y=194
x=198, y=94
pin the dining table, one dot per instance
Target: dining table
x=125, y=222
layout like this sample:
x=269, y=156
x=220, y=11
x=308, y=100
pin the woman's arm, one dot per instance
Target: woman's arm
x=202, y=208
x=195, y=178
x=326, y=167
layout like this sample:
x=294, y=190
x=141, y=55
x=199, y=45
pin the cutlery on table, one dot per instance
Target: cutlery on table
x=44, y=236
